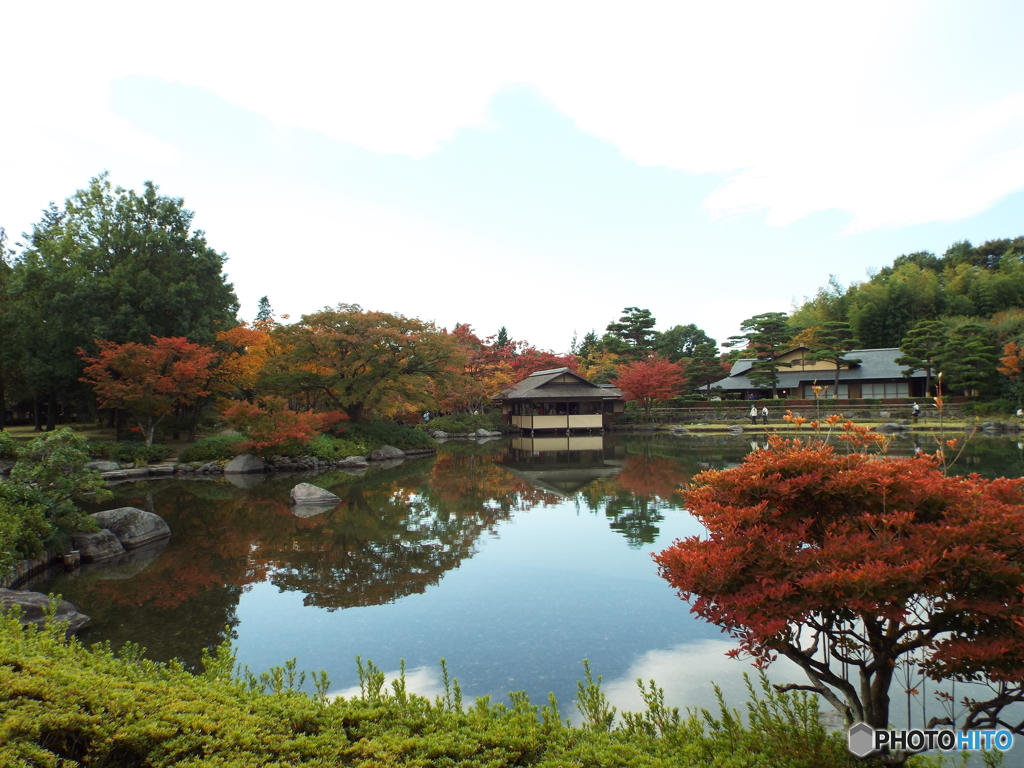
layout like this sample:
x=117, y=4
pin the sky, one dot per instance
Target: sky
x=533, y=165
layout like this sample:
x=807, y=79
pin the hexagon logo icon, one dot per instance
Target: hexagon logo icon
x=862, y=739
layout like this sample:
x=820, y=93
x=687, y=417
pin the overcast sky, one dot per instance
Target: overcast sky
x=537, y=165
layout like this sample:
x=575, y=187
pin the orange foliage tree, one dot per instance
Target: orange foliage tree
x=650, y=381
x=526, y=359
x=149, y=380
x=851, y=565
x=1011, y=365
x=482, y=371
x=272, y=427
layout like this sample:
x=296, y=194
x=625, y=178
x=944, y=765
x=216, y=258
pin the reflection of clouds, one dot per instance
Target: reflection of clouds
x=424, y=681
x=687, y=672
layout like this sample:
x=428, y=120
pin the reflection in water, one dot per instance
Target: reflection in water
x=519, y=611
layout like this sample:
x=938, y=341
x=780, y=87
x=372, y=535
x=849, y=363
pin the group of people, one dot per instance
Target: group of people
x=753, y=414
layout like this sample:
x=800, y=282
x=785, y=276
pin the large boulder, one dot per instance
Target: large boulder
x=307, y=494
x=387, y=452
x=34, y=605
x=97, y=546
x=247, y=462
x=133, y=527
x=103, y=466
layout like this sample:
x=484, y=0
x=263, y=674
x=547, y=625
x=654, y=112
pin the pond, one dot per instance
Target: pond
x=514, y=560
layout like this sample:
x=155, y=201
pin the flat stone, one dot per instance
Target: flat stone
x=33, y=609
x=306, y=494
x=353, y=461
x=102, y=466
x=386, y=452
x=162, y=469
x=133, y=527
x=97, y=546
x=247, y=462
x=118, y=475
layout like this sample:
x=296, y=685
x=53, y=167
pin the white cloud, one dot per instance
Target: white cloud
x=802, y=107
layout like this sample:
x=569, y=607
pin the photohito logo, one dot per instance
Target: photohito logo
x=864, y=739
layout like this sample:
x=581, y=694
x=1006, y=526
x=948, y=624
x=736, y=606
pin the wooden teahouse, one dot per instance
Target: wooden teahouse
x=560, y=400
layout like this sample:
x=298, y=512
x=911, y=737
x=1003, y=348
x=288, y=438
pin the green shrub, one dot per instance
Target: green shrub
x=213, y=448
x=465, y=423
x=329, y=447
x=62, y=702
x=124, y=451
x=8, y=446
x=375, y=434
x=39, y=501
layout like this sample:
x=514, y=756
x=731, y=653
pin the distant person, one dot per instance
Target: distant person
x=764, y=414
x=1020, y=413
x=753, y=415
x=426, y=416
x=915, y=412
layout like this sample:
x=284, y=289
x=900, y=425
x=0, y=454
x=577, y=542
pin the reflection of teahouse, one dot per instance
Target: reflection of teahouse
x=562, y=464
x=560, y=399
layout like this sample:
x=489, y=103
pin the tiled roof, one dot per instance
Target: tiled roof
x=533, y=388
x=874, y=364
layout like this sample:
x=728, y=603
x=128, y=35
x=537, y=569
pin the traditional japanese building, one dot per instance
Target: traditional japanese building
x=876, y=376
x=560, y=400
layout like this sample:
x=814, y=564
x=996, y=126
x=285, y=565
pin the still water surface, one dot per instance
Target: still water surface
x=513, y=561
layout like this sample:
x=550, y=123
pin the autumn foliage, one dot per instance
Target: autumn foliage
x=272, y=427
x=650, y=381
x=149, y=380
x=846, y=563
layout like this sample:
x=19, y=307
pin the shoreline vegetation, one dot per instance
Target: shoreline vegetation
x=61, y=701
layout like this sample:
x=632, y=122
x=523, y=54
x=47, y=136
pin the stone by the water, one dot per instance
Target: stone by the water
x=97, y=546
x=247, y=462
x=386, y=452
x=132, y=527
x=33, y=607
x=305, y=494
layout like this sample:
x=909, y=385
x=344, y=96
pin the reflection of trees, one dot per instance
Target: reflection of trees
x=634, y=499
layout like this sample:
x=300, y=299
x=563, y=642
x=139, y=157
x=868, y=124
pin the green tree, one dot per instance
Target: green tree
x=264, y=312
x=681, y=341
x=767, y=336
x=968, y=359
x=8, y=350
x=832, y=342
x=633, y=334
x=921, y=348
x=117, y=266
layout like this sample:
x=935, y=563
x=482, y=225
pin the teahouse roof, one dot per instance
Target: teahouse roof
x=542, y=385
x=875, y=364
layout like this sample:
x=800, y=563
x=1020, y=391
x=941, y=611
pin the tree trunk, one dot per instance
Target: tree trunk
x=37, y=423
x=51, y=413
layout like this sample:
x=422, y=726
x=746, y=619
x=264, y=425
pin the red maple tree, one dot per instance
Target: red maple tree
x=651, y=381
x=271, y=426
x=851, y=565
x=149, y=380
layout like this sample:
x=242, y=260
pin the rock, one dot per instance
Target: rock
x=305, y=494
x=118, y=475
x=386, y=452
x=33, y=607
x=353, y=461
x=97, y=546
x=485, y=433
x=162, y=469
x=103, y=466
x=439, y=434
x=247, y=462
x=884, y=415
x=137, y=474
x=133, y=527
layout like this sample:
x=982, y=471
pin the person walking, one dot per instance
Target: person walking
x=753, y=415
x=764, y=415
x=915, y=412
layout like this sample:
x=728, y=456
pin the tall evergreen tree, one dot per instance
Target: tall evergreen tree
x=968, y=359
x=921, y=349
x=766, y=336
x=264, y=312
x=832, y=342
x=633, y=335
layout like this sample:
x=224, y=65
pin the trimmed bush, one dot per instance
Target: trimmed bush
x=124, y=451
x=465, y=423
x=213, y=448
x=328, y=447
x=8, y=446
x=375, y=434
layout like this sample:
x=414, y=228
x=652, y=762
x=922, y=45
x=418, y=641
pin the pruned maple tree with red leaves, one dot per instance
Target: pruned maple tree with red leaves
x=271, y=426
x=651, y=381
x=149, y=380
x=852, y=564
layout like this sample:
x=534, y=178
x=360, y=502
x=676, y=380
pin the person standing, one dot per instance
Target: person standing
x=764, y=415
x=753, y=414
x=915, y=412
